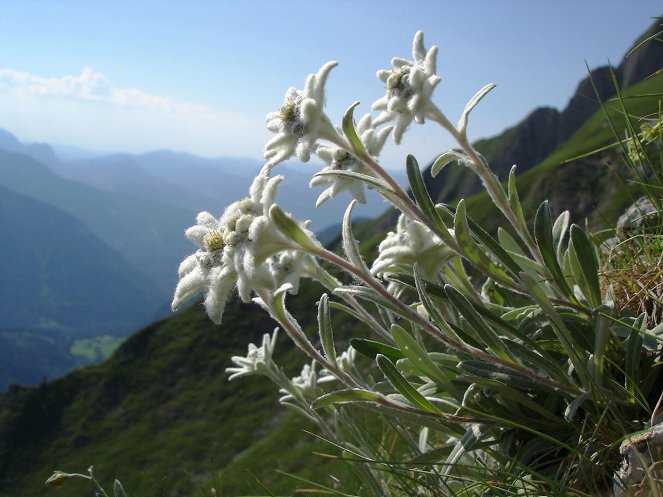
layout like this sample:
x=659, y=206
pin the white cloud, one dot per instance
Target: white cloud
x=91, y=86
x=88, y=111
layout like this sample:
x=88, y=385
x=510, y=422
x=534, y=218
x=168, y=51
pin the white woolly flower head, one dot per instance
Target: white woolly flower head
x=300, y=121
x=339, y=159
x=411, y=243
x=234, y=250
x=409, y=85
x=256, y=360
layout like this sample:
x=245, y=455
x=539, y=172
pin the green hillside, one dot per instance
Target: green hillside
x=592, y=185
x=161, y=415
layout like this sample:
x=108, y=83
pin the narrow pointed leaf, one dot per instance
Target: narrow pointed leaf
x=543, y=233
x=290, y=228
x=351, y=132
x=447, y=158
x=474, y=320
x=325, y=329
x=344, y=396
x=501, y=374
x=422, y=196
x=371, y=349
x=586, y=265
x=419, y=358
x=403, y=386
x=513, y=198
x=560, y=228
x=471, y=250
x=462, y=123
x=118, y=489
x=349, y=243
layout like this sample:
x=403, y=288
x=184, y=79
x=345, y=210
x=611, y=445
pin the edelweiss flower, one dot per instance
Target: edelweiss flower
x=305, y=383
x=345, y=363
x=300, y=121
x=257, y=358
x=234, y=250
x=411, y=243
x=409, y=88
x=339, y=159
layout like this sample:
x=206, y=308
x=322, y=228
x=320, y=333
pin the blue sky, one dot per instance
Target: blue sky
x=200, y=76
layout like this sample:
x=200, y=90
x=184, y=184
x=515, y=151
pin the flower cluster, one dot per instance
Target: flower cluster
x=241, y=248
x=409, y=85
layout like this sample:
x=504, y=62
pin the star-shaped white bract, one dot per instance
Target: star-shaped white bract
x=345, y=363
x=409, y=87
x=306, y=383
x=300, y=121
x=257, y=359
x=339, y=159
x=234, y=250
x=411, y=243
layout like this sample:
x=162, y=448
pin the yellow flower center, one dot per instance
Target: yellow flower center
x=214, y=240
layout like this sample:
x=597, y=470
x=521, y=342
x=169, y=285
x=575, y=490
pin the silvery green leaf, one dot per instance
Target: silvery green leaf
x=562, y=332
x=325, y=328
x=290, y=228
x=543, y=234
x=462, y=123
x=365, y=293
x=419, y=358
x=559, y=230
x=351, y=132
x=422, y=196
x=487, y=335
x=372, y=181
x=572, y=408
x=344, y=396
x=446, y=158
x=350, y=245
x=403, y=386
x=585, y=267
x=471, y=250
x=514, y=200
x=371, y=349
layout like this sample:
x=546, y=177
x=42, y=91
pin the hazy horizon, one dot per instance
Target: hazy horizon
x=199, y=77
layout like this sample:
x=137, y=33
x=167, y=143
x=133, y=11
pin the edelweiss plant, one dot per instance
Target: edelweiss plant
x=500, y=359
x=499, y=363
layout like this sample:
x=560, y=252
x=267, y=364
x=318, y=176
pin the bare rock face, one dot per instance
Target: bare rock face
x=641, y=214
x=641, y=473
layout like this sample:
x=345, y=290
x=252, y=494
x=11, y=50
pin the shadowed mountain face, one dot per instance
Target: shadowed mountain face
x=145, y=232
x=56, y=275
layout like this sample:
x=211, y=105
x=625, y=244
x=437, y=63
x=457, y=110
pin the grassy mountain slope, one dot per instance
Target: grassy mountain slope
x=593, y=187
x=161, y=415
x=59, y=283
